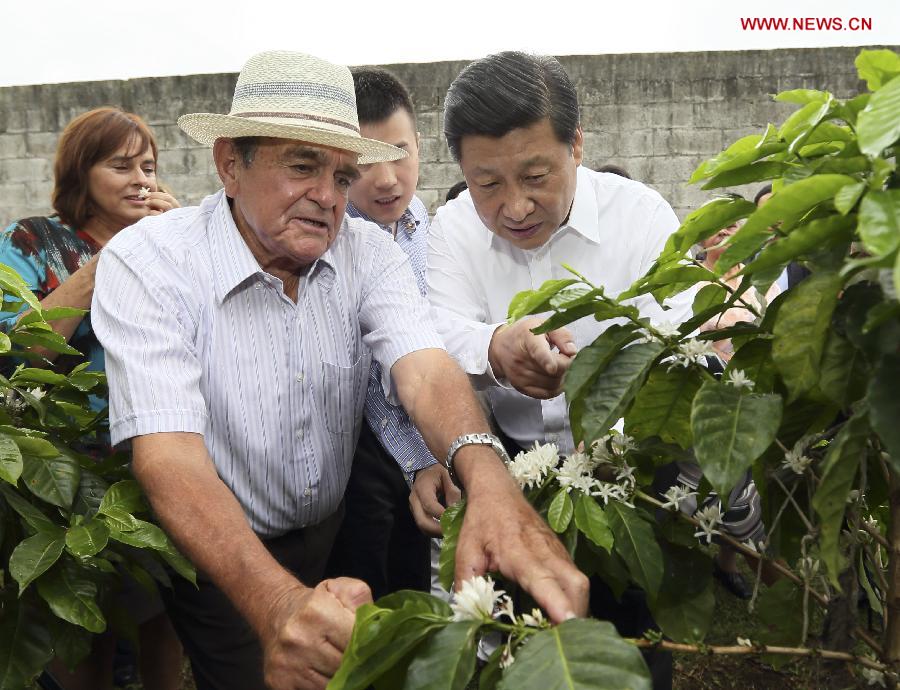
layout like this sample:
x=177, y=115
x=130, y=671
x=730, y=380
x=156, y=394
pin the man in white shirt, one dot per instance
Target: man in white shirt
x=511, y=121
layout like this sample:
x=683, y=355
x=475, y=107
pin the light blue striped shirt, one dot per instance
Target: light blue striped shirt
x=199, y=338
x=390, y=423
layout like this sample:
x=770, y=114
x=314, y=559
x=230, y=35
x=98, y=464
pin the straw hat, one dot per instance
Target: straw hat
x=292, y=96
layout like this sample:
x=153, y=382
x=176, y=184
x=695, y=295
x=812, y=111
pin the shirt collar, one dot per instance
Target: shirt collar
x=409, y=221
x=232, y=259
x=583, y=214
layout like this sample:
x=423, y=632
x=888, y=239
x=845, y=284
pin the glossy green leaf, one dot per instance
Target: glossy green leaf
x=742, y=152
x=54, y=480
x=878, y=125
x=797, y=128
x=842, y=373
x=12, y=283
x=34, y=555
x=709, y=296
x=756, y=172
x=125, y=495
x=846, y=198
x=451, y=523
x=731, y=429
x=803, y=96
x=879, y=221
x=836, y=479
x=88, y=538
x=5, y=342
x=25, y=646
x=706, y=221
x=446, y=661
x=755, y=360
x=49, y=340
x=120, y=520
x=615, y=388
x=592, y=523
x=877, y=67
x=684, y=608
x=37, y=447
x=637, y=545
x=72, y=596
x=10, y=460
x=785, y=209
x=179, y=564
x=884, y=405
x=663, y=406
x=40, y=376
x=531, y=301
x=560, y=512
x=35, y=519
x=804, y=240
x=806, y=309
x=579, y=654
x=592, y=360
x=145, y=535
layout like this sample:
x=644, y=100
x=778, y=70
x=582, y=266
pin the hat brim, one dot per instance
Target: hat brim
x=207, y=127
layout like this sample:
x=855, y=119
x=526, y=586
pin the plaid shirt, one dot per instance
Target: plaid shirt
x=390, y=423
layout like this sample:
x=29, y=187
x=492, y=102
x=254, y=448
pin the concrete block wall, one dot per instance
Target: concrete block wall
x=657, y=115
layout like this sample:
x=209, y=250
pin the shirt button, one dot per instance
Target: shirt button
x=258, y=286
x=384, y=423
x=299, y=433
x=299, y=377
x=307, y=491
x=553, y=438
x=409, y=465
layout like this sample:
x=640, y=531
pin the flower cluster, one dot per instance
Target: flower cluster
x=676, y=494
x=692, y=351
x=738, y=379
x=476, y=599
x=796, y=459
x=530, y=467
x=709, y=518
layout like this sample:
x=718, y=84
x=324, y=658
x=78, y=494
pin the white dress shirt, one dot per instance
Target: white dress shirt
x=200, y=339
x=616, y=229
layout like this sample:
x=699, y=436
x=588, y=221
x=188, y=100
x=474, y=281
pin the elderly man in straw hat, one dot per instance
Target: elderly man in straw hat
x=238, y=337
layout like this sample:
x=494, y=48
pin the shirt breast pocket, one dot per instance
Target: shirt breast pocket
x=345, y=393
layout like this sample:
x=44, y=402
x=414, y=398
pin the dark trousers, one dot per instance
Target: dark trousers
x=379, y=542
x=224, y=651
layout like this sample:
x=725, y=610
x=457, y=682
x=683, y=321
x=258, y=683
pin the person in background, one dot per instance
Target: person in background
x=615, y=170
x=456, y=190
x=794, y=272
x=379, y=541
x=104, y=180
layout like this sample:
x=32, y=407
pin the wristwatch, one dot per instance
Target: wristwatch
x=474, y=440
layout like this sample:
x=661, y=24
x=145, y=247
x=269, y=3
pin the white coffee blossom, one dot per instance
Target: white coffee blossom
x=530, y=467
x=692, y=351
x=475, y=600
x=576, y=472
x=667, y=329
x=506, y=656
x=37, y=393
x=738, y=379
x=144, y=192
x=607, y=491
x=873, y=677
x=744, y=642
x=808, y=567
x=625, y=474
x=600, y=453
x=871, y=522
x=676, y=494
x=621, y=443
x=795, y=461
x=709, y=518
x=535, y=619
x=505, y=608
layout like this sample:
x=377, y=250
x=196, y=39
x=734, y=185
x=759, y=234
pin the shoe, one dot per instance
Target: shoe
x=735, y=583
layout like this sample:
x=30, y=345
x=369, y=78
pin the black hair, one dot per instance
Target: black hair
x=379, y=94
x=246, y=148
x=456, y=190
x=761, y=193
x=506, y=91
x=615, y=170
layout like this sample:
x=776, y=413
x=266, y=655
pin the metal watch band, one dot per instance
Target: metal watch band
x=474, y=440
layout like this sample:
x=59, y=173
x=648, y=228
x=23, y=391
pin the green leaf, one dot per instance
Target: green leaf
x=706, y=221
x=756, y=172
x=591, y=522
x=87, y=539
x=781, y=612
x=797, y=128
x=842, y=373
x=803, y=96
x=12, y=283
x=25, y=646
x=559, y=515
x=72, y=596
x=684, y=608
x=615, y=388
x=125, y=495
x=120, y=520
x=32, y=515
x=42, y=376
x=879, y=221
x=742, y=152
x=878, y=125
x=593, y=359
x=731, y=429
x=846, y=198
x=785, y=208
x=830, y=500
x=33, y=556
x=180, y=564
x=663, y=406
x=145, y=535
x=877, y=67
x=54, y=480
x=446, y=661
x=50, y=341
x=709, y=296
x=755, y=360
x=578, y=654
x=804, y=240
x=637, y=545
x=10, y=460
x=884, y=405
x=806, y=309
x=38, y=447
x=5, y=343
x=532, y=301
x=451, y=523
